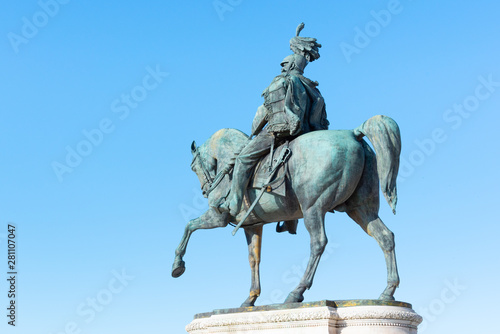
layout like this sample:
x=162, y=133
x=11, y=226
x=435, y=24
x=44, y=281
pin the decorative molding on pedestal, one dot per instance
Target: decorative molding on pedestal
x=355, y=316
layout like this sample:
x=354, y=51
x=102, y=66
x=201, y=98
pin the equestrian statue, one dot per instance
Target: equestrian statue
x=293, y=167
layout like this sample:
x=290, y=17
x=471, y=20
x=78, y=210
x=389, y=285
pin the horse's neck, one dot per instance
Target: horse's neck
x=225, y=145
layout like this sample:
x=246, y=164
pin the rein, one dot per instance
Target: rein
x=208, y=178
x=218, y=178
x=212, y=182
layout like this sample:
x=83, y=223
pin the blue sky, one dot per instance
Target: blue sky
x=131, y=84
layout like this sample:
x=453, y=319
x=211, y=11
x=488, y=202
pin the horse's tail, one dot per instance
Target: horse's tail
x=383, y=133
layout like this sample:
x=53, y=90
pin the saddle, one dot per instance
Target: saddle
x=278, y=183
x=262, y=170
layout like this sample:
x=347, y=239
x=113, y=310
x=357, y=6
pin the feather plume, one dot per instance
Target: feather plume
x=305, y=46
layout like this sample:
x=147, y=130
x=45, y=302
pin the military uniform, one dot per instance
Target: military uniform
x=292, y=106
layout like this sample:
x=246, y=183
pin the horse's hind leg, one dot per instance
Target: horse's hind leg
x=210, y=219
x=254, y=241
x=314, y=220
x=374, y=226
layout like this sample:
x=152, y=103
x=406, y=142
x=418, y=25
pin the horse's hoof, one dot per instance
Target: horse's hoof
x=178, y=268
x=249, y=302
x=294, y=298
x=386, y=297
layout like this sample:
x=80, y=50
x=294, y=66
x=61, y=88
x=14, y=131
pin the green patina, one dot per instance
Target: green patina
x=329, y=303
x=326, y=171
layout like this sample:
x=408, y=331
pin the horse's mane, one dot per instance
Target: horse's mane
x=233, y=133
x=224, y=144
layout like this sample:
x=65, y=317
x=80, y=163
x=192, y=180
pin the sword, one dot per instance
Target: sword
x=283, y=156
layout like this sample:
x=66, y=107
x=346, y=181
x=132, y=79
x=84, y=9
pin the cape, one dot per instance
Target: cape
x=316, y=119
x=304, y=106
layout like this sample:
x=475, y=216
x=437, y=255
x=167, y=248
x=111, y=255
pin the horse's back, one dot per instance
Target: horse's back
x=329, y=149
x=340, y=139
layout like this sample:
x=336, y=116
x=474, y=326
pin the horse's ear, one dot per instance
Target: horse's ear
x=193, y=147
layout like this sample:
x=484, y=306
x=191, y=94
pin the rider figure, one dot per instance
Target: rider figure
x=292, y=106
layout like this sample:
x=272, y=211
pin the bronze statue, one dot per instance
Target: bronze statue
x=310, y=172
x=292, y=106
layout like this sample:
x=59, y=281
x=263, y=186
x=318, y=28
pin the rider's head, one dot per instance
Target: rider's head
x=293, y=62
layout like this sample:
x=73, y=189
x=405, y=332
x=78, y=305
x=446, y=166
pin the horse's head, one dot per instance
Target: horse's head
x=216, y=155
x=204, y=166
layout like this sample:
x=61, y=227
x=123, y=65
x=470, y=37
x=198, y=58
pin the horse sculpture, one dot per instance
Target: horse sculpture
x=329, y=170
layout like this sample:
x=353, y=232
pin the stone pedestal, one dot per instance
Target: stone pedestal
x=332, y=317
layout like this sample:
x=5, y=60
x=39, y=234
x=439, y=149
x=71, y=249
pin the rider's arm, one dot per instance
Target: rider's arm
x=259, y=121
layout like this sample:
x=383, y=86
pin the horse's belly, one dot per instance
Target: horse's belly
x=274, y=208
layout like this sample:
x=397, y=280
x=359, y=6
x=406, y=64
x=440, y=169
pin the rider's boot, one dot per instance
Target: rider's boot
x=232, y=204
x=235, y=198
x=249, y=156
x=241, y=176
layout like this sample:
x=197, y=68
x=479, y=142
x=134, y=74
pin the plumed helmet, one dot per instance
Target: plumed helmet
x=304, y=46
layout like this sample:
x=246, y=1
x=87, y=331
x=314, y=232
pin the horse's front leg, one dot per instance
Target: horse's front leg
x=254, y=241
x=210, y=219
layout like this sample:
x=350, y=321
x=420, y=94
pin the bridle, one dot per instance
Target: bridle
x=211, y=182
x=206, y=173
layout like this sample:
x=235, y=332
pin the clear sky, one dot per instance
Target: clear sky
x=101, y=101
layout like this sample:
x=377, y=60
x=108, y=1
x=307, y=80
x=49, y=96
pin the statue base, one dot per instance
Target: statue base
x=332, y=317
